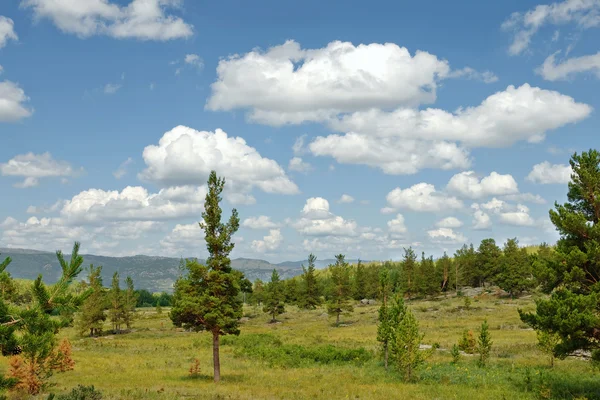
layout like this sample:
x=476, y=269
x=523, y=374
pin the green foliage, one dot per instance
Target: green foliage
x=389, y=317
x=444, y=270
x=7, y=286
x=484, y=344
x=515, y=266
x=129, y=302
x=116, y=308
x=274, y=297
x=409, y=267
x=465, y=267
x=427, y=280
x=340, y=295
x=547, y=342
x=487, y=262
x=574, y=271
x=360, y=282
x=467, y=342
x=310, y=296
x=92, y=317
x=207, y=297
x=455, y=353
x=405, y=348
x=467, y=303
x=79, y=393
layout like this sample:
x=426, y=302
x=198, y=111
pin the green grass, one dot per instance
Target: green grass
x=306, y=357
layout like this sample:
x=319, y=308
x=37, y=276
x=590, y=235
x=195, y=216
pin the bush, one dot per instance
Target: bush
x=79, y=393
x=467, y=342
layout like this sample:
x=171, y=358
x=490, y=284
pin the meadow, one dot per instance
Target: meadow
x=305, y=356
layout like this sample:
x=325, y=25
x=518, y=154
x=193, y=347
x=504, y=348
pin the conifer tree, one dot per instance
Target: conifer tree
x=129, y=301
x=291, y=291
x=484, y=344
x=444, y=270
x=116, y=306
x=310, y=298
x=515, y=267
x=274, y=299
x=341, y=290
x=409, y=267
x=407, y=342
x=92, y=317
x=428, y=283
x=360, y=282
x=574, y=271
x=207, y=297
x=389, y=315
x=487, y=258
x=7, y=285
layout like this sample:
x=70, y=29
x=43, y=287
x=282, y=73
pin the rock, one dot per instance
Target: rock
x=365, y=302
x=244, y=319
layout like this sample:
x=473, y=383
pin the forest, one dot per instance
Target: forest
x=496, y=320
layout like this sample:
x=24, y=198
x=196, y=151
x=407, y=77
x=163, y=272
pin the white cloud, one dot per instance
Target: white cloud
x=140, y=19
x=520, y=217
x=551, y=71
x=122, y=170
x=546, y=173
x=449, y=222
x=387, y=210
x=316, y=208
x=12, y=99
x=508, y=214
x=7, y=31
x=406, y=140
x=33, y=167
x=467, y=184
x=346, y=199
x=260, y=222
x=288, y=84
x=44, y=209
x=525, y=197
x=41, y=233
x=185, y=156
x=298, y=147
x=470, y=73
x=270, y=242
x=299, y=165
x=481, y=220
x=183, y=239
x=317, y=220
x=134, y=203
x=194, y=60
x=446, y=235
x=397, y=225
x=422, y=197
x=112, y=88
x=585, y=13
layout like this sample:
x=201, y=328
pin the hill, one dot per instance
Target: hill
x=148, y=272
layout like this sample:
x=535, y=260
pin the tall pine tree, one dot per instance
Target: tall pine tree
x=129, y=301
x=274, y=299
x=341, y=290
x=92, y=317
x=360, y=281
x=207, y=297
x=116, y=307
x=310, y=298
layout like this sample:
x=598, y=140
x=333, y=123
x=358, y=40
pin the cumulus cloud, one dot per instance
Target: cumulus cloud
x=449, y=222
x=122, y=170
x=481, y=220
x=550, y=70
x=12, y=102
x=469, y=185
x=422, y=197
x=397, y=225
x=41, y=233
x=139, y=19
x=346, y=199
x=182, y=239
x=194, y=60
x=7, y=31
x=525, y=197
x=34, y=167
x=317, y=220
x=546, y=173
x=524, y=25
x=260, y=222
x=446, y=235
x=185, y=156
x=134, y=203
x=270, y=242
x=299, y=165
x=470, y=73
x=508, y=214
x=298, y=147
x=407, y=140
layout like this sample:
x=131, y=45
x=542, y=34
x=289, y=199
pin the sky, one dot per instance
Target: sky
x=350, y=127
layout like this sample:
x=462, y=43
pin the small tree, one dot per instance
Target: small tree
x=389, y=316
x=116, y=308
x=310, y=298
x=274, y=299
x=339, y=299
x=92, y=317
x=129, y=302
x=7, y=285
x=360, y=282
x=207, y=297
x=547, y=343
x=484, y=344
x=408, y=339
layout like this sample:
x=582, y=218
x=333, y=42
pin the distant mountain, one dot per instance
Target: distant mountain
x=148, y=272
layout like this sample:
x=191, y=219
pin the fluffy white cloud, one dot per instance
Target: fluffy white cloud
x=481, y=220
x=520, y=217
x=299, y=165
x=316, y=208
x=317, y=220
x=7, y=31
x=134, y=204
x=41, y=233
x=397, y=225
x=546, y=173
x=467, y=184
x=422, y=197
x=585, y=13
x=260, y=222
x=525, y=197
x=194, y=60
x=140, y=19
x=36, y=166
x=407, y=140
x=470, y=73
x=12, y=99
x=446, y=235
x=345, y=199
x=507, y=214
x=288, y=84
x=112, y=88
x=182, y=239
x=298, y=147
x=185, y=156
x=270, y=242
x=552, y=71
x=122, y=170
x=449, y=222
x=387, y=210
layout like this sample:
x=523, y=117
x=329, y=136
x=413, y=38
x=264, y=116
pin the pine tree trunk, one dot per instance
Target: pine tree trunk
x=216, y=361
x=337, y=319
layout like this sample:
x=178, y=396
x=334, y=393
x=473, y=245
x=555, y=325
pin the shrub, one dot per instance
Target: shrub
x=455, y=352
x=467, y=342
x=79, y=393
x=484, y=344
x=195, y=368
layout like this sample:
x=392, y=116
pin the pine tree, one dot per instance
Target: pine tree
x=291, y=291
x=444, y=269
x=515, y=267
x=360, y=282
x=465, y=262
x=207, y=297
x=92, y=317
x=574, y=271
x=488, y=257
x=116, y=307
x=484, y=344
x=427, y=282
x=274, y=299
x=7, y=285
x=310, y=298
x=409, y=267
x=388, y=316
x=341, y=290
x=407, y=344
x=129, y=302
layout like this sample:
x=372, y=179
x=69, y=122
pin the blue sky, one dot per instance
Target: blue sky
x=353, y=127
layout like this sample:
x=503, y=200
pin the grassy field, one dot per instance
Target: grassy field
x=276, y=361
